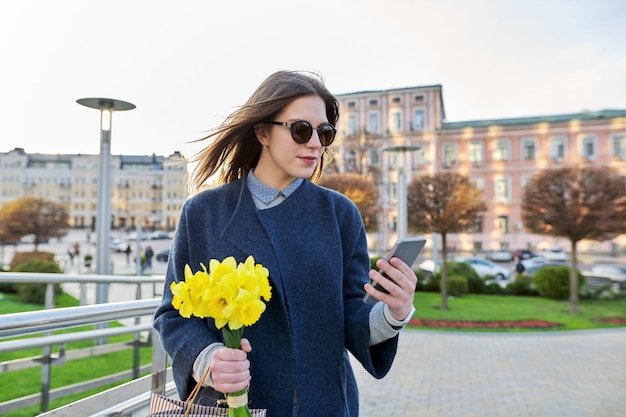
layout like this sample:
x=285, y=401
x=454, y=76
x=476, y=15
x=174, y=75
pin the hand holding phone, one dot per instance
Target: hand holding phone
x=407, y=250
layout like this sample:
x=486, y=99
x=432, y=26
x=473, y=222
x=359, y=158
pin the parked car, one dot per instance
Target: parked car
x=524, y=254
x=118, y=245
x=500, y=255
x=163, y=256
x=159, y=235
x=532, y=269
x=31, y=239
x=610, y=273
x=554, y=255
x=484, y=267
x=429, y=267
x=140, y=236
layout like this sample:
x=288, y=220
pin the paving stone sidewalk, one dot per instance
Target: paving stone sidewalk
x=556, y=374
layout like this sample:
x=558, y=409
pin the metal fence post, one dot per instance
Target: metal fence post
x=159, y=364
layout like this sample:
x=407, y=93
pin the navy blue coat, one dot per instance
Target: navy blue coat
x=314, y=246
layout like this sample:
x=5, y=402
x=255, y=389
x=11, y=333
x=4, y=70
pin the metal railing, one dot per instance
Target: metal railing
x=48, y=320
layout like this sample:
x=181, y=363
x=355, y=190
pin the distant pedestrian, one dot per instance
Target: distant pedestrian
x=127, y=252
x=71, y=254
x=519, y=266
x=149, y=254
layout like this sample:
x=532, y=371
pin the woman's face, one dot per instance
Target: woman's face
x=283, y=160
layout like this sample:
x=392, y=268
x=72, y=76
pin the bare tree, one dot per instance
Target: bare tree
x=32, y=215
x=443, y=203
x=361, y=191
x=576, y=204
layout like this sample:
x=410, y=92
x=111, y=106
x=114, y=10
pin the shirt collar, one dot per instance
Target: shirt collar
x=268, y=194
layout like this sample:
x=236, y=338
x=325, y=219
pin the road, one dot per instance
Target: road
x=118, y=261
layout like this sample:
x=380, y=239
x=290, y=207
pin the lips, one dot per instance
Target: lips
x=308, y=159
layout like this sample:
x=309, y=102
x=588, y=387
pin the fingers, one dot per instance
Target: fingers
x=400, y=285
x=400, y=277
x=245, y=345
x=230, y=368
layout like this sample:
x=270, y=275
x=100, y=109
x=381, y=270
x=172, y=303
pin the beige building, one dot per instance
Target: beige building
x=498, y=155
x=146, y=189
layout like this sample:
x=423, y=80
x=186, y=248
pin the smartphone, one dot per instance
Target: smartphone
x=408, y=250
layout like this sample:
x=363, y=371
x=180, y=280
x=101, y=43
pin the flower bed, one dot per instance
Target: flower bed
x=492, y=324
x=613, y=320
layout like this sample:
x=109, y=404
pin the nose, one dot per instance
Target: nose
x=315, y=141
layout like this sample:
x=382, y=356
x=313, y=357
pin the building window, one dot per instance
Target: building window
x=619, y=146
x=351, y=160
x=502, y=224
x=449, y=154
x=477, y=225
x=418, y=119
x=351, y=124
x=501, y=190
x=588, y=147
x=374, y=102
x=396, y=99
x=479, y=182
x=374, y=157
x=501, y=152
x=418, y=158
x=528, y=149
x=476, y=153
x=372, y=123
x=525, y=180
x=396, y=120
x=351, y=104
x=419, y=98
x=557, y=148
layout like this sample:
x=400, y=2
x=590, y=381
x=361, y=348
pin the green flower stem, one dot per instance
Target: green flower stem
x=232, y=339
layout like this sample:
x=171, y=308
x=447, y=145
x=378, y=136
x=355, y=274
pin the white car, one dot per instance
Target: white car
x=118, y=245
x=484, y=267
x=554, y=255
x=500, y=255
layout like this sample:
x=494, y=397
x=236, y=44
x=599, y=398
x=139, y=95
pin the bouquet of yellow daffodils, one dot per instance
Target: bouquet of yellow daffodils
x=231, y=294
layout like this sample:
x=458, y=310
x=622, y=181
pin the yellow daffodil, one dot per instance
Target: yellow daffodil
x=231, y=294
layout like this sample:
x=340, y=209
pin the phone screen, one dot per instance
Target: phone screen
x=408, y=250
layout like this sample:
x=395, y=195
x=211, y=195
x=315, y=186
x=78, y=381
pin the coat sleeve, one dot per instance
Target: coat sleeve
x=183, y=339
x=377, y=359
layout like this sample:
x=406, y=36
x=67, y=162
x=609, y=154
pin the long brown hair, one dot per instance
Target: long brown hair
x=235, y=149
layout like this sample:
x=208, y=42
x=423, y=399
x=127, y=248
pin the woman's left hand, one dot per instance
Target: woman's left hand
x=400, y=284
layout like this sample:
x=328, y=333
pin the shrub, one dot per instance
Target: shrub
x=493, y=288
x=523, y=285
x=24, y=257
x=36, y=293
x=457, y=285
x=553, y=282
x=430, y=284
x=475, y=284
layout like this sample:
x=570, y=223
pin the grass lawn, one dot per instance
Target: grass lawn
x=475, y=307
x=23, y=382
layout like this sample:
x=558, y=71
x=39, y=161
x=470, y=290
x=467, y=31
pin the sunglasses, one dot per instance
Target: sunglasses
x=301, y=131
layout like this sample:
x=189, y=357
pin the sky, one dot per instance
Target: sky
x=187, y=64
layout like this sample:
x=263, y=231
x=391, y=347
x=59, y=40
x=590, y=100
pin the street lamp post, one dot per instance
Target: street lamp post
x=401, y=226
x=103, y=220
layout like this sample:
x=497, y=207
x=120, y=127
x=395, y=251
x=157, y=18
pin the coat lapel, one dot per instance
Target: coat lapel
x=245, y=232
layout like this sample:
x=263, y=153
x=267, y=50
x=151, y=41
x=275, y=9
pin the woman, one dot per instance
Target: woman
x=267, y=155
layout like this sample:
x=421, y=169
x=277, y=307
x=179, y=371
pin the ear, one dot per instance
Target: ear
x=261, y=133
